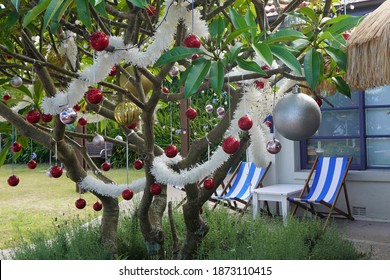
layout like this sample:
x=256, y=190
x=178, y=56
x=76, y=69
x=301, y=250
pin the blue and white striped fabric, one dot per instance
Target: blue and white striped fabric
x=327, y=180
x=247, y=178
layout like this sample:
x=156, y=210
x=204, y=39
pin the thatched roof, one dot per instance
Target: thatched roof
x=368, y=50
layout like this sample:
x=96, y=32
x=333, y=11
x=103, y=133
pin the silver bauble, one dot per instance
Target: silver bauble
x=209, y=108
x=98, y=140
x=119, y=138
x=274, y=146
x=220, y=112
x=16, y=81
x=174, y=71
x=297, y=116
x=68, y=116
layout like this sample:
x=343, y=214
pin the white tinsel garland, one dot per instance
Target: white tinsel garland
x=255, y=102
x=104, y=61
x=90, y=183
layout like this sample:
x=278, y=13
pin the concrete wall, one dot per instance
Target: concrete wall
x=368, y=190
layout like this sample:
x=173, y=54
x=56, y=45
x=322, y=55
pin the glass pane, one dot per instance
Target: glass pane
x=334, y=148
x=378, y=121
x=339, y=100
x=378, y=96
x=339, y=123
x=378, y=152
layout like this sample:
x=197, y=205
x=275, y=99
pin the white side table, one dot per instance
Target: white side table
x=277, y=193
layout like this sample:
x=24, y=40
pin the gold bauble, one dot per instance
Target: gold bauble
x=125, y=83
x=126, y=113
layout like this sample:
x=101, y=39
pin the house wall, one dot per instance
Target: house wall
x=368, y=190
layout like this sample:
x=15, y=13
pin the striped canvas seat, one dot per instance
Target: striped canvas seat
x=244, y=180
x=329, y=180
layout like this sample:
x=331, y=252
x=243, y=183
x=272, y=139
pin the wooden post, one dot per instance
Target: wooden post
x=185, y=128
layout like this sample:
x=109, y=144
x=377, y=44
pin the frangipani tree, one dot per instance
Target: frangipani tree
x=116, y=58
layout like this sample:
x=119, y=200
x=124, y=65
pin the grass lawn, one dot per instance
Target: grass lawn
x=40, y=202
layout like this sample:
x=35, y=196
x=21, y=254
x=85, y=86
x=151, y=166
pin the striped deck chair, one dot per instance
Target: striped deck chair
x=239, y=188
x=328, y=182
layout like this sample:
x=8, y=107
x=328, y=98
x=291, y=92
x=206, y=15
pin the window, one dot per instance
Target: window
x=358, y=126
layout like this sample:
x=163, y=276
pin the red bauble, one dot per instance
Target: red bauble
x=32, y=164
x=106, y=166
x=195, y=56
x=245, y=123
x=82, y=121
x=80, y=203
x=259, y=84
x=56, y=171
x=77, y=107
x=346, y=35
x=7, y=57
x=151, y=10
x=230, y=145
x=155, y=189
x=319, y=101
x=13, y=180
x=138, y=164
x=132, y=125
x=171, y=151
x=127, y=194
x=6, y=97
x=209, y=184
x=94, y=96
x=266, y=68
x=113, y=71
x=191, y=41
x=46, y=118
x=33, y=116
x=191, y=113
x=99, y=41
x=97, y=206
x=165, y=90
x=16, y=147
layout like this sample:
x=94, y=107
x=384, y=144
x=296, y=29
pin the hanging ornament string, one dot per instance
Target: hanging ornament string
x=192, y=16
x=13, y=153
x=127, y=157
x=170, y=122
x=105, y=142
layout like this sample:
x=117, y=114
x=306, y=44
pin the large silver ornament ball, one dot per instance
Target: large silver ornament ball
x=274, y=146
x=68, y=116
x=98, y=140
x=297, y=116
x=16, y=81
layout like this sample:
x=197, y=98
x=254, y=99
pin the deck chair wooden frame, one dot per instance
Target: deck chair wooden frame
x=328, y=183
x=239, y=188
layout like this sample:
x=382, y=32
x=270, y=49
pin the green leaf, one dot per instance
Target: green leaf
x=217, y=28
x=51, y=11
x=313, y=67
x=309, y=13
x=175, y=54
x=342, y=86
x=196, y=76
x=183, y=76
x=287, y=58
x=234, y=35
x=341, y=23
x=234, y=51
x=338, y=56
x=4, y=152
x=21, y=90
x=217, y=76
x=284, y=35
x=264, y=52
x=35, y=12
x=251, y=21
x=100, y=6
x=11, y=21
x=16, y=4
x=249, y=66
x=84, y=13
x=139, y=3
x=58, y=15
x=237, y=19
